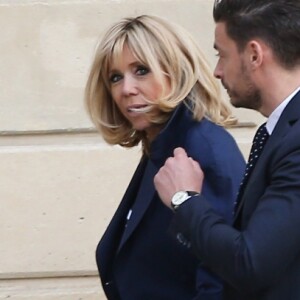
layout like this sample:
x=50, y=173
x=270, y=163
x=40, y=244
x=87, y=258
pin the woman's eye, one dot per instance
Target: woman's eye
x=142, y=70
x=115, y=78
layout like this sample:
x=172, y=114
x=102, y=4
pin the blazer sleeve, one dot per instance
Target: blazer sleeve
x=224, y=165
x=257, y=256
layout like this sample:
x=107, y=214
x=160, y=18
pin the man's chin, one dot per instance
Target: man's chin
x=234, y=102
x=241, y=104
x=237, y=105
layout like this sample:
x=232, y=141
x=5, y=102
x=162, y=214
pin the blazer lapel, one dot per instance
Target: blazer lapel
x=108, y=245
x=143, y=199
x=161, y=148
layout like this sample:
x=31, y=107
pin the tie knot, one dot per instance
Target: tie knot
x=261, y=135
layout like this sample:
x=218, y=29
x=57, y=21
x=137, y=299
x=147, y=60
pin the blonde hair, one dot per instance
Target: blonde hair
x=167, y=50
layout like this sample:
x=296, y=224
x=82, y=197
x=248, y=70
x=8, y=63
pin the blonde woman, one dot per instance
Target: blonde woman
x=150, y=84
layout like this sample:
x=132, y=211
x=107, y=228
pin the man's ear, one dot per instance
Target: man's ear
x=255, y=53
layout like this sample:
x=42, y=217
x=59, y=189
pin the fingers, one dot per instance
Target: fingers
x=195, y=163
x=179, y=151
x=179, y=154
x=179, y=172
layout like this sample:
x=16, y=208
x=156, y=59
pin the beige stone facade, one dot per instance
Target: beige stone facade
x=59, y=182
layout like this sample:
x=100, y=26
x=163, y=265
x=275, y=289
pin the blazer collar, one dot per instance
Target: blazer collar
x=172, y=135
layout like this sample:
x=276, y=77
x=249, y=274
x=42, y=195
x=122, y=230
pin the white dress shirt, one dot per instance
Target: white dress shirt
x=275, y=115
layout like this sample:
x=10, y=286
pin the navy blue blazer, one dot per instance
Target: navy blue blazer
x=259, y=256
x=138, y=259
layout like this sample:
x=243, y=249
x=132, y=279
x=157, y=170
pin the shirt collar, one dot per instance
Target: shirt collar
x=275, y=115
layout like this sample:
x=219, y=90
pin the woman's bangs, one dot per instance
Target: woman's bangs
x=135, y=45
x=117, y=51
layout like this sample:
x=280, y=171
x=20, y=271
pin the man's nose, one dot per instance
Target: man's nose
x=218, y=72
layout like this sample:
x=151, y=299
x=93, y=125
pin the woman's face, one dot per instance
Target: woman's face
x=132, y=84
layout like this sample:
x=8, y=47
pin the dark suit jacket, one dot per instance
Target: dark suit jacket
x=139, y=259
x=260, y=256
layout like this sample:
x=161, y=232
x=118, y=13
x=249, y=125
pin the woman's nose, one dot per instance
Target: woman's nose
x=129, y=86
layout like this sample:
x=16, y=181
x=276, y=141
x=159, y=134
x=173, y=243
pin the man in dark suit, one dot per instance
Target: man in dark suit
x=258, y=44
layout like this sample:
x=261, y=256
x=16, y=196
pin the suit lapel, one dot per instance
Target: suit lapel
x=290, y=115
x=143, y=199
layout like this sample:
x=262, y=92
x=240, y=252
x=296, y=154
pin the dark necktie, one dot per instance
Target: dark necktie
x=258, y=144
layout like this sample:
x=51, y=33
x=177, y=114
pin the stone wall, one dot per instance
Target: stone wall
x=59, y=182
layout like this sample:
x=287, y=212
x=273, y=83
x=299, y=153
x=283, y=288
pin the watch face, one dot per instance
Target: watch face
x=179, y=197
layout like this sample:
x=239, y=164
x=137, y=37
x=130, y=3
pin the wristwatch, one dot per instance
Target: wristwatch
x=181, y=197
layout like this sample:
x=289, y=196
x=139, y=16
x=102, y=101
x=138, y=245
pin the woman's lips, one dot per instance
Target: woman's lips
x=139, y=108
